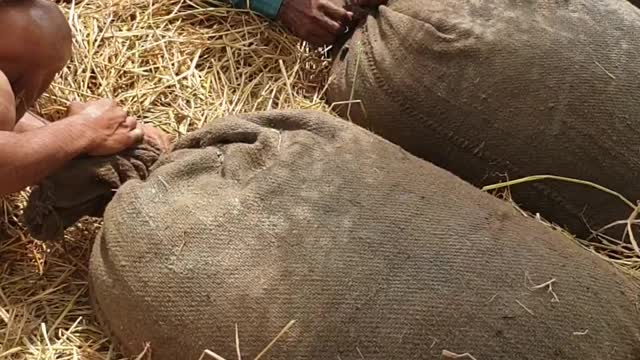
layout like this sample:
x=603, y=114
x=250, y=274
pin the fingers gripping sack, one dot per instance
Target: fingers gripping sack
x=261, y=219
x=84, y=187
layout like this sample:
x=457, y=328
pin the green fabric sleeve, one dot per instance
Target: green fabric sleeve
x=268, y=8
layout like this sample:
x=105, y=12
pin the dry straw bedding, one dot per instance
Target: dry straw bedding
x=175, y=64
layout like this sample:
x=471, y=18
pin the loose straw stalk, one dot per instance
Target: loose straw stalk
x=177, y=64
x=623, y=253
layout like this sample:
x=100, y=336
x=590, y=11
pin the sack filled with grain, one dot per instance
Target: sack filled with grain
x=499, y=89
x=266, y=218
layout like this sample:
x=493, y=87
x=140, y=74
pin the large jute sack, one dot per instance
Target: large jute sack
x=262, y=219
x=499, y=89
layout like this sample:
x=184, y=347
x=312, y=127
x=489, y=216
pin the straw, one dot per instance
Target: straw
x=177, y=64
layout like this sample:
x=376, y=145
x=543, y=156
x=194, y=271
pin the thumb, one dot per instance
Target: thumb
x=75, y=107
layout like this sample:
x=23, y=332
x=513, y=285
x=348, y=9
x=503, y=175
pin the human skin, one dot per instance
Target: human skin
x=318, y=22
x=36, y=44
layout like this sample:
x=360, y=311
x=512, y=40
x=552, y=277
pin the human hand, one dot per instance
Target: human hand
x=318, y=22
x=157, y=137
x=108, y=126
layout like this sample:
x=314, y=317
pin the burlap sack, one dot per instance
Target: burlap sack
x=83, y=187
x=501, y=89
x=266, y=218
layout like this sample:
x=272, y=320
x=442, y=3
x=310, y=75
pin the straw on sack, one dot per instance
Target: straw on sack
x=261, y=219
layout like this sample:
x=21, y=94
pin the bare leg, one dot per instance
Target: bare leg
x=36, y=45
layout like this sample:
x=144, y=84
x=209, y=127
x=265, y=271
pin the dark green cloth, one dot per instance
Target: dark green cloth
x=268, y=8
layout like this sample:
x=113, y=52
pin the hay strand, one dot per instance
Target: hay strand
x=558, y=178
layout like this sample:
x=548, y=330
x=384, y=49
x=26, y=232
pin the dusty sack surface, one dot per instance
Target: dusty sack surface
x=501, y=87
x=261, y=219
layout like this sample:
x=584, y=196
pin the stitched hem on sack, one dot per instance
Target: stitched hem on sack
x=461, y=143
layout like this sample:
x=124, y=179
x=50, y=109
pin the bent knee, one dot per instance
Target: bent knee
x=38, y=29
x=52, y=28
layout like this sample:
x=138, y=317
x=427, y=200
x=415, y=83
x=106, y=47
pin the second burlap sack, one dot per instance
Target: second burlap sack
x=262, y=219
x=502, y=89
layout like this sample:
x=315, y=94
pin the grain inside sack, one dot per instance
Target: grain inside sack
x=503, y=89
x=261, y=219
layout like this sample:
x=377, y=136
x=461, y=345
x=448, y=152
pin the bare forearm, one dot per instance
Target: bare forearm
x=26, y=158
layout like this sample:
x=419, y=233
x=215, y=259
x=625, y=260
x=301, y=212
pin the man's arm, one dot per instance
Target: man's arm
x=97, y=128
x=26, y=158
x=100, y=128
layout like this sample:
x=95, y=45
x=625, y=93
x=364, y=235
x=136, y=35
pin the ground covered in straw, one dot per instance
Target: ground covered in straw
x=175, y=64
